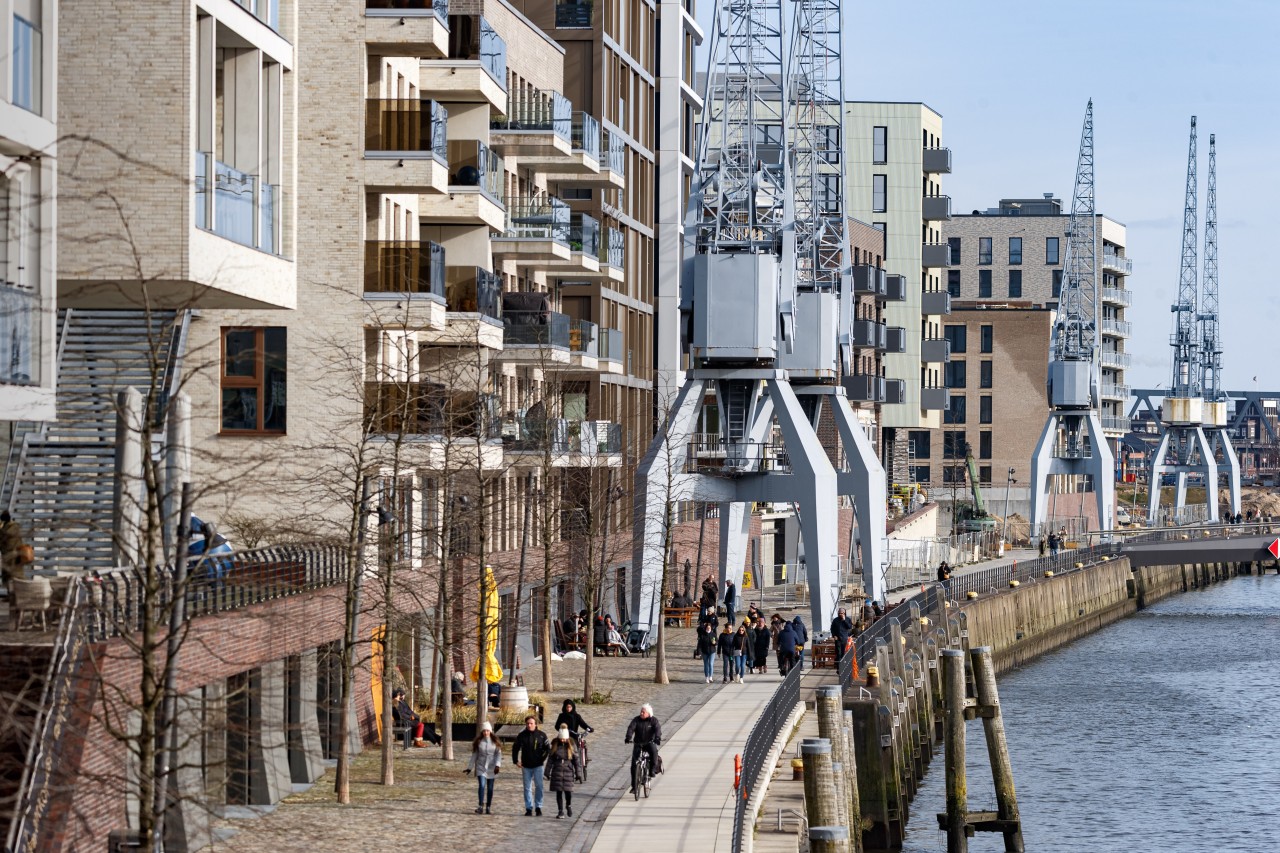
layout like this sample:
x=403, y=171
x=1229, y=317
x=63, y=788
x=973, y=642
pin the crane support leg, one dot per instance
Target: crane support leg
x=863, y=479
x=735, y=529
x=1220, y=439
x=1157, y=477
x=1071, y=459
x=1184, y=450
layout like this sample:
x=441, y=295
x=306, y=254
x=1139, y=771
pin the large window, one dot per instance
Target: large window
x=954, y=371
x=253, y=380
x=28, y=50
x=1051, y=250
x=1057, y=283
x=984, y=409
x=953, y=444
x=1015, y=250
x=1015, y=284
x=953, y=283
x=955, y=413
x=879, y=144
x=984, y=250
x=879, y=190
x=919, y=441
x=984, y=284
x=984, y=444
x=957, y=336
x=986, y=338
x=984, y=374
x=954, y=243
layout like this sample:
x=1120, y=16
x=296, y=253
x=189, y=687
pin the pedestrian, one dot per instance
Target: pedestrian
x=1053, y=545
x=11, y=547
x=741, y=645
x=562, y=771
x=529, y=753
x=724, y=647
x=841, y=631
x=786, y=648
x=1044, y=546
x=802, y=637
x=730, y=600
x=868, y=615
x=753, y=613
x=764, y=640
x=944, y=575
x=707, y=651
x=708, y=592
x=486, y=761
x=709, y=617
x=416, y=732
x=876, y=610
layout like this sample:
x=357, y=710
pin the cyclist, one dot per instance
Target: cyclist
x=646, y=731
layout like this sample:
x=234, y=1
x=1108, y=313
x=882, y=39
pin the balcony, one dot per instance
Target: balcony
x=585, y=246
x=934, y=208
x=612, y=353
x=406, y=268
x=1109, y=358
x=538, y=338
x=895, y=391
x=868, y=280
x=895, y=339
x=936, y=160
x=582, y=166
x=935, y=255
x=864, y=388
x=895, y=288
x=536, y=232
x=536, y=127
x=935, y=302
x=584, y=344
x=935, y=399
x=473, y=290
x=615, y=156
x=429, y=409
x=867, y=334
x=1115, y=424
x=1119, y=328
x=241, y=208
x=1112, y=391
x=475, y=69
x=1119, y=264
x=562, y=437
x=1117, y=296
x=407, y=28
x=573, y=14
x=935, y=350
x=406, y=146
x=475, y=189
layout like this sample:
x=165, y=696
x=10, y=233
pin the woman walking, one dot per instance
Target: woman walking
x=763, y=640
x=740, y=645
x=562, y=772
x=486, y=760
x=707, y=650
x=724, y=646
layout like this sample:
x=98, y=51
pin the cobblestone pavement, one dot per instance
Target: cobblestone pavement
x=432, y=801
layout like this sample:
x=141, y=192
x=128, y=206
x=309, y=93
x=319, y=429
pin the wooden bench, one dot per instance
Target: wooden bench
x=608, y=649
x=567, y=642
x=684, y=616
x=824, y=655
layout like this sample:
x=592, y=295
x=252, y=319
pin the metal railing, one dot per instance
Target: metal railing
x=535, y=110
x=1119, y=263
x=473, y=290
x=542, y=217
x=406, y=126
x=712, y=456
x=584, y=338
x=408, y=8
x=1118, y=295
x=1116, y=423
x=238, y=205
x=1122, y=328
x=561, y=435
x=1115, y=391
x=1109, y=358
x=613, y=253
x=471, y=37
x=535, y=329
x=585, y=136
x=764, y=734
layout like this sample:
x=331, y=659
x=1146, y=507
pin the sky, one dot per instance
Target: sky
x=1011, y=79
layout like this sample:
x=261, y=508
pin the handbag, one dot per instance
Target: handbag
x=26, y=554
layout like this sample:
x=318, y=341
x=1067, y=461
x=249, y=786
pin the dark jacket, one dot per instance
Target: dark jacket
x=841, y=629
x=530, y=748
x=706, y=643
x=402, y=714
x=562, y=771
x=724, y=644
x=801, y=632
x=763, y=641
x=573, y=720
x=600, y=634
x=944, y=572
x=708, y=617
x=730, y=596
x=787, y=639
x=644, y=731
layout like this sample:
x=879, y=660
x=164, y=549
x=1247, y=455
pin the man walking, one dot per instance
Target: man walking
x=841, y=631
x=730, y=600
x=529, y=753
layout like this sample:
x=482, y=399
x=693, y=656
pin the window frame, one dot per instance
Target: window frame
x=956, y=334
x=984, y=251
x=1056, y=284
x=986, y=373
x=985, y=409
x=1015, y=256
x=882, y=144
x=957, y=412
x=257, y=382
x=953, y=283
x=1054, y=258
x=1015, y=284
x=984, y=284
x=986, y=338
x=984, y=444
x=955, y=243
x=880, y=186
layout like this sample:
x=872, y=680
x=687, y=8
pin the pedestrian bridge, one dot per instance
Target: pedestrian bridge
x=1208, y=543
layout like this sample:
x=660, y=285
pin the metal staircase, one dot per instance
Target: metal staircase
x=59, y=483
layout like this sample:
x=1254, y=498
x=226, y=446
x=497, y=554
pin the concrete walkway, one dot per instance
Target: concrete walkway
x=691, y=805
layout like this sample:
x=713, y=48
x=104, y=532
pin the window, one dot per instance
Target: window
x=984, y=409
x=984, y=444
x=953, y=444
x=954, y=243
x=827, y=191
x=1051, y=250
x=1057, y=283
x=878, y=191
x=984, y=475
x=920, y=474
x=1015, y=250
x=953, y=474
x=984, y=374
x=879, y=144
x=957, y=336
x=253, y=380
x=953, y=283
x=1015, y=284
x=984, y=284
x=985, y=336
x=828, y=139
x=27, y=62
x=984, y=250
x=918, y=439
x=879, y=226
x=955, y=413
x=954, y=373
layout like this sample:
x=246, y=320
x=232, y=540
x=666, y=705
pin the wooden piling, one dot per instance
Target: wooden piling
x=872, y=794
x=984, y=679
x=819, y=782
x=828, y=839
x=830, y=708
x=957, y=791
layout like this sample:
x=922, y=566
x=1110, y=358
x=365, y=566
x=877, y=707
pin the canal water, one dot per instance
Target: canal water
x=1158, y=733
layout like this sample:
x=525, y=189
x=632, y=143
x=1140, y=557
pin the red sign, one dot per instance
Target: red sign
x=1274, y=548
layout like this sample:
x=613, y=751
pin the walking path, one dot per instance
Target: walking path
x=692, y=804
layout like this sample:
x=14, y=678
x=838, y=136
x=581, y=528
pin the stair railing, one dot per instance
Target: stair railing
x=171, y=381
x=18, y=450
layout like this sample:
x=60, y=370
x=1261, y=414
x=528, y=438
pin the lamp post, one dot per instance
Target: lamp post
x=1008, y=487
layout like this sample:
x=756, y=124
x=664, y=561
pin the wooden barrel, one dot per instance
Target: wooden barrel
x=514, y=698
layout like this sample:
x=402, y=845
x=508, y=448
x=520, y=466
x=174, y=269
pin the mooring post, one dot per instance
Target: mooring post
x=831, y=726
x=957, y=791
x=868, y=749
x=984, y=679
x=819, y=784
x=828, y=839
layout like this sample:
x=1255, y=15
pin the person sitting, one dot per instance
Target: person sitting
x=495, y=694
x=600, y=636
x=415, y=730
x=458, y=690
x=615, y=637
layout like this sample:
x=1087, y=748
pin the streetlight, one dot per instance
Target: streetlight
x=1008, y=487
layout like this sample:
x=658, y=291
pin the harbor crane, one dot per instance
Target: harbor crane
x=1072, y=444
x=766, y=306
x=1183, y=447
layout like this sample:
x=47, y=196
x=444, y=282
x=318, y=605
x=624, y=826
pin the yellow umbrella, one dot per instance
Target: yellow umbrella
x=487, y=627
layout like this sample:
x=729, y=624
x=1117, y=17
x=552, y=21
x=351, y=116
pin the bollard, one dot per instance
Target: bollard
x=984, y=679
x=828, y=839
x=830, y=708
x=872, y=798
x=819, y=782
x=957, y=792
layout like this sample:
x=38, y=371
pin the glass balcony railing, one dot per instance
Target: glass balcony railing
x=535, y=110
x=538, y=218
x=584, y=234
x=1111, y=358
x=535, y=328
x=240, y=207
x=473, y=290
x=426, y=408
x=472, y=37
x=406, y=126
x=584, y=338
x=526, y=432
x=611, y=348
x=615, y=151
x=573, y=14
x=613, y=252
x=20, y=333
x=585, y=134
x=28, y=65
x=474, y=164
x=408, y=8
x=404, y=267
x=267, y=11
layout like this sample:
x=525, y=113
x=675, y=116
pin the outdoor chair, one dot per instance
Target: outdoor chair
x=31, y=596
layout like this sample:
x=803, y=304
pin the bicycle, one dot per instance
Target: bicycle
x=642, y=775
x=584, y=758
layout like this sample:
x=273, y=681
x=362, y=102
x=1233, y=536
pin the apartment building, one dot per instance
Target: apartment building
x=895, y=168
x=28, y=210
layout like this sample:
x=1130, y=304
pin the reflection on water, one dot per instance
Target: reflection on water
x=1159, y=733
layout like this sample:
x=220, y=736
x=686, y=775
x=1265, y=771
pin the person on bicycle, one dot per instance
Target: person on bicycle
x=646, y=732
x=570, y=717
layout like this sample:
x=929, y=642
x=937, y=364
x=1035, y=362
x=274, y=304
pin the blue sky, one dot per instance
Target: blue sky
x=1011, y=79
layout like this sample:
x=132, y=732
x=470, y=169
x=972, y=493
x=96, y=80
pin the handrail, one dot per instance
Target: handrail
x=763, y=735
x=171, y=381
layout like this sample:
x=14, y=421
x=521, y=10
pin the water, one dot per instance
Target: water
x=1159, y=733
